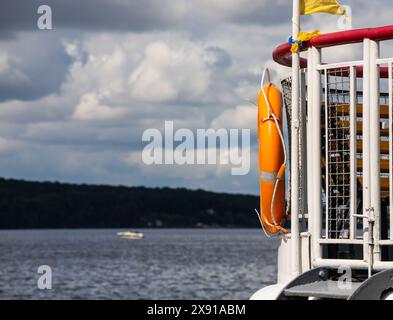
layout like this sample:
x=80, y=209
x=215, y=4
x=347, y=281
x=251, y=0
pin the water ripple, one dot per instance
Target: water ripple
x=167, y=264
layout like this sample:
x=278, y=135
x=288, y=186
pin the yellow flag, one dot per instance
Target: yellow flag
x=323, y=6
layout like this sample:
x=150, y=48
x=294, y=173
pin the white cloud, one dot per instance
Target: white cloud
x=89, y=108
x=102, y=72
x=170, y=72
x=9, y=72
x=241, y=117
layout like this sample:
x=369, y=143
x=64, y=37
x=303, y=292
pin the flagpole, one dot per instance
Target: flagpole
x=295, y=225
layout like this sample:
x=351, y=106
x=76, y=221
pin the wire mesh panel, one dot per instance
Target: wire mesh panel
x=287, y=97
x=342, y=152
x=386, y=161
x=337, y=153
x=286, y=85
x=390, y=125
x=385, y=141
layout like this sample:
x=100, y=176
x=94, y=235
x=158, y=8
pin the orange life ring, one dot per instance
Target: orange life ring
x=271, y=160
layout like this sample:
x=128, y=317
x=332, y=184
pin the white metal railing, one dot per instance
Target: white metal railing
x=341, y=215
x=333, y=89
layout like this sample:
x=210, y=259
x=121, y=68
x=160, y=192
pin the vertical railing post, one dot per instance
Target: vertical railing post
x=353, y=141
x=310, y=151
x=375, y=150
x=316, y=179
x=327, y=159
x=367, y=240
x=303, y=147
x=295, y=225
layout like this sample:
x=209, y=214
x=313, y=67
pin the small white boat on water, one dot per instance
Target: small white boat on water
x=131, y=235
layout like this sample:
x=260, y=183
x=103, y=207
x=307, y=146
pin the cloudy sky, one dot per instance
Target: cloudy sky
x=75, y=100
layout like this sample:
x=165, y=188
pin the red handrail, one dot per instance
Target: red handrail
x=282, y=54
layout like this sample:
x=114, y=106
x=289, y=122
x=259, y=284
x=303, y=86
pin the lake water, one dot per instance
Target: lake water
x=166, y=264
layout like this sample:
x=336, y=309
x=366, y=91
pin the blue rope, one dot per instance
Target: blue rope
x=291, y=41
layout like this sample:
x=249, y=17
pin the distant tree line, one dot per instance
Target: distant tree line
x=28, y=205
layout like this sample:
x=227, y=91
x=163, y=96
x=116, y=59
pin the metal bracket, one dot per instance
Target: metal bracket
x=370, y=217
